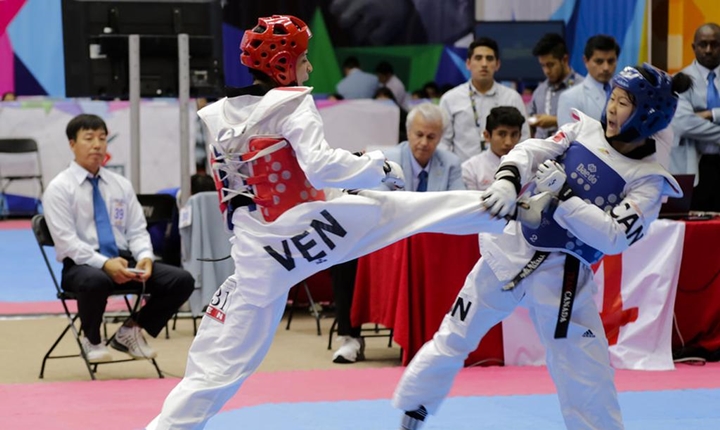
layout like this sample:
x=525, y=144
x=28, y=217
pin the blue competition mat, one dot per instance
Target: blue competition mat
x=23, y=274
x=643, y=410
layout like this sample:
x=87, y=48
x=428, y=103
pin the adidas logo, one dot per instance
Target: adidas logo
x=588, y=333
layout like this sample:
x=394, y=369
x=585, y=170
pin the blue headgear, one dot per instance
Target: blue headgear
x=654, y=101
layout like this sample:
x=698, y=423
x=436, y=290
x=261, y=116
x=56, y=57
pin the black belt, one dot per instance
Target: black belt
x=567, y=297
x=530, y=267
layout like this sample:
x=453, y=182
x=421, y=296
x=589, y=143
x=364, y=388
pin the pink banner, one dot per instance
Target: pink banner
x=7, y=71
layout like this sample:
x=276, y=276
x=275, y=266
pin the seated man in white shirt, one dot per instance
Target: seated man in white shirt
x=502, y=132
x=426, y=168
x=100, y=236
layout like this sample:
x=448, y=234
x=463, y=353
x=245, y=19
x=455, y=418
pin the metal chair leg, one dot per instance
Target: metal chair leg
x=292, y=307
x=332, y=331
x=315, y=313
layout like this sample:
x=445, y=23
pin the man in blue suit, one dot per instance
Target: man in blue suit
x=697, y=121
x=600, y=57
x=426, y=168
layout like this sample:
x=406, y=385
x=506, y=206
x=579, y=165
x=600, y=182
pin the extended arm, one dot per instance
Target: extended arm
x=326, y=166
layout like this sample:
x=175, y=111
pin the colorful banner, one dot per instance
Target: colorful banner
x=684, y=17
x=636, y=295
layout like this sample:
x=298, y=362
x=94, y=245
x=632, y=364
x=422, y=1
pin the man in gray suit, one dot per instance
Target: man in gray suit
x=600, y=57
x=426, y=168
x=697, y=121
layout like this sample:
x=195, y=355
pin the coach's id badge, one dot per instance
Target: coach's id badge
x=118, y=213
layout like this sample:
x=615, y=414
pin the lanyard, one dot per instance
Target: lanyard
x=471, y=94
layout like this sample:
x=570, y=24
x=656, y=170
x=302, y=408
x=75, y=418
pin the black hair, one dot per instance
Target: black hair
x=681, y=83
x=351, y=63
x=200, y=182
x=84, y=121
x=384, y=68
x=432, y=85
x=600, y=42
x=551, y=43
x=421, y=94
x=263, y=78
x=483, y=41
x=384, y=91
x=504, y=115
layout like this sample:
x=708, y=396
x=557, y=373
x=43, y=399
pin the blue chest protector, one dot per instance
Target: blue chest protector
x=591, y=179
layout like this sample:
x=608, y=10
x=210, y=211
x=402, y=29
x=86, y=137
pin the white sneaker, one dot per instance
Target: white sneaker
x=351, y=350
x=95, y=353
x=130, y=340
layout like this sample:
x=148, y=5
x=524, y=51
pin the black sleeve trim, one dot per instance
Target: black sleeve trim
x=510, y=173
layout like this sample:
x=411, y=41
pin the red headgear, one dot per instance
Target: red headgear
x=274, y=46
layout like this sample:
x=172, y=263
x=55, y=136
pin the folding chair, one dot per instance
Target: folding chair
x=20, y=149
x=386, y=332
x=313, y=307
x=160, y=210
x=42, y=235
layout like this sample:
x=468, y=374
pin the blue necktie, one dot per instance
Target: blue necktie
x=713, y=100
x=422, y=184
x=106, y=239
x=607, y=89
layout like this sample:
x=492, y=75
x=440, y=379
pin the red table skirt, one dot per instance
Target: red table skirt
x=410, y=286
x=435, y=265
x=697, y=305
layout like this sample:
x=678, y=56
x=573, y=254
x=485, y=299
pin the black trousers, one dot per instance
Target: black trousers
x=169, y=287
x=706, y=196
x=343, y=282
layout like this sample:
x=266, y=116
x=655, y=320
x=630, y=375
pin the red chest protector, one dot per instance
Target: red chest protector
x=278, y=182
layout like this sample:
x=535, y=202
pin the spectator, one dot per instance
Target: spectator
x=419, y=95
x=335, y=97
x=600, y=57
x=9, y=97
x=426, y=168
x=502, y=132
x=432, y=90
x=469, y=103
x=384, y=93
x=386, y=76
x=356, y=84
x=697, y=121
x=97, y=248
x=552, y=54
